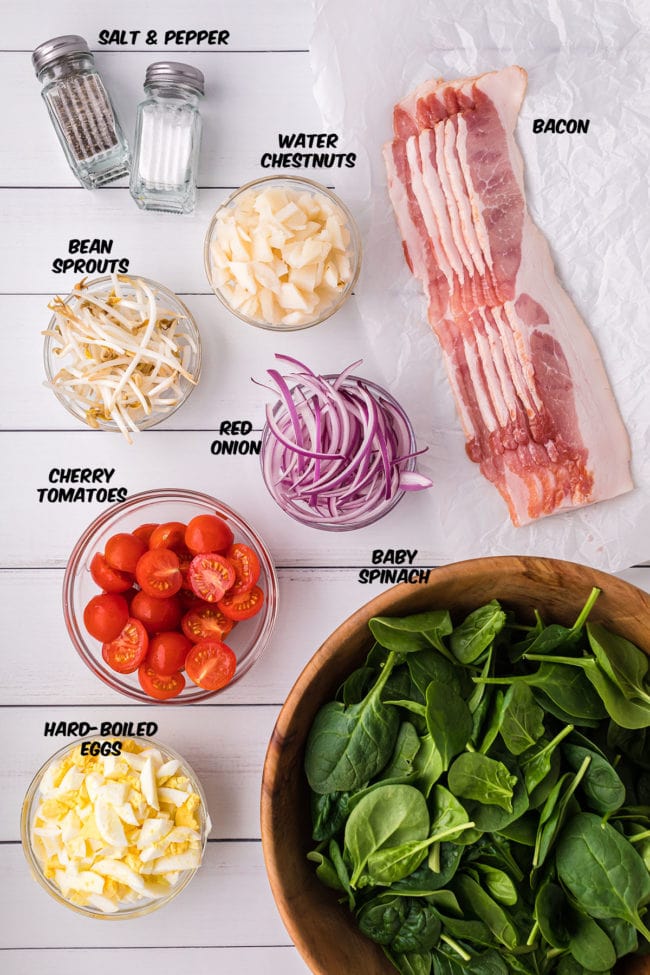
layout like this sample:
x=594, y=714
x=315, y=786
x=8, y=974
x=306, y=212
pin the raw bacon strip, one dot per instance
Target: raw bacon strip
x=538, y=414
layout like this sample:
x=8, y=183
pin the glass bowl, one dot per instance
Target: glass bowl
x=295, y=183
x=28, y=815
x=247, y=639
x=187, y=330
x=308, y=516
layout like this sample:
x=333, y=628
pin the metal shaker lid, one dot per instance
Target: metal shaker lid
x=58, y=47
x=175, y=73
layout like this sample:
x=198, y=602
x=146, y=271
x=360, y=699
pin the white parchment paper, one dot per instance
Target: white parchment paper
x=588, y=193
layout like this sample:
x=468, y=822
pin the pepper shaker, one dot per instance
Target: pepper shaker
x=167, y=138
x=81, y=111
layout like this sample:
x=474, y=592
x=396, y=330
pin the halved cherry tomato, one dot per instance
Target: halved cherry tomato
x=211, y=576
x=247, y=568
x=167, y=652
x=158, y=573
x=169, y=535
x=126, y=653
x=208, y=533
x=105, y=616
x=156, y=614
x=206, y=622
x=184, y=561
x=244, y=606
x=210, y=664
x=159, y=686
x=189, y=599
x=123, y=551
x=144, y=532
x=108, y=579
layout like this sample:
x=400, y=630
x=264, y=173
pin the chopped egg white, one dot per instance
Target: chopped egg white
x=281, y=256
x=109, y=831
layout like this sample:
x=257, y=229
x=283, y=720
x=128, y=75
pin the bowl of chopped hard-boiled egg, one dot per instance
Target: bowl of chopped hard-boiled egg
x=114, y=828
x=283, y=253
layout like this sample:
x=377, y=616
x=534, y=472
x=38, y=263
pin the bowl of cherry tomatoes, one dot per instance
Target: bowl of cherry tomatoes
x=170, y=596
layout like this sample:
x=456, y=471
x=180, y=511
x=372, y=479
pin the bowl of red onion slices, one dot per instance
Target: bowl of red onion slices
x=338, y=451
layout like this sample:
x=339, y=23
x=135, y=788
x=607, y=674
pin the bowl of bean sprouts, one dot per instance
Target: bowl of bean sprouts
x=121, y=353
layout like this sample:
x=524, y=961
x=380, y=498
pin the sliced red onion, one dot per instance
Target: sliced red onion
x=338, y=450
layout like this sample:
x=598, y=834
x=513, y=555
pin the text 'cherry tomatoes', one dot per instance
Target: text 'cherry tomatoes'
x=208, y=533
x=105, y=616
x=210, y=664
x=244, y=606
x=158, y=573
x=211, y=576
x=128, y=650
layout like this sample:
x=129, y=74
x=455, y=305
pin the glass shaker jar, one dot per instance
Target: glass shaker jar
x=81, y=111
x=167, y=138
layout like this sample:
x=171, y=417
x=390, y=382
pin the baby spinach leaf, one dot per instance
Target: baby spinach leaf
x=429, y=666
x=475, y=901
x=447, y=813
x=393, y=863
x=601, y=785
x=407, y=634
x=621, y=660
x=475, y=776
x=388, y=816
x=404, y=923
x=551, y=912
x=325, y=870
x=635, y=745
x=349, y=744
x=493, y=723
x=407, y=745
x=419, y=931
x=329, y=813
x=536, y=765
x=555, y=813
x=522, y=724
x=625, y=712
x=569, y=691
x=477, y=631
x=556, y=637
x=569, y=966
x=622, y=934
x=463, y=929
x=448, y=720
x=355, y=687
x=427, y=765
x=589, y=945
x=411, y=963
x=381, y=918
x=499, y=885
x=424, y=880
x=492, y=818
x=603, y=871
x=341, y=871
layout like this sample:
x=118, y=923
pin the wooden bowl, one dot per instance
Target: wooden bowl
x=325, y=932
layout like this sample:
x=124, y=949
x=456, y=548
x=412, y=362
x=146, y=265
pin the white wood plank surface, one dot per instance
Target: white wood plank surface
x=258, y=86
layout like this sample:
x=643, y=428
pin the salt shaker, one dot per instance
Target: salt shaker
x=81, y=111
x=167, y=138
